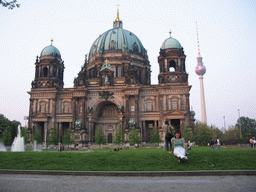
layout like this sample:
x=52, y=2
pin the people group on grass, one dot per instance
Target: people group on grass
x=175, y=142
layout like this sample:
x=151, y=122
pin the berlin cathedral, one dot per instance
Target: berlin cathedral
x=112, y=88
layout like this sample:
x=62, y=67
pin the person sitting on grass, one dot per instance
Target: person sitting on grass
x=178, y=147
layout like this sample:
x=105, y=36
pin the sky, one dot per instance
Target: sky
x=226, y=34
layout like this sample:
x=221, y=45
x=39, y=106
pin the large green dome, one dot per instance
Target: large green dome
x=50, y=51
x=117, y=40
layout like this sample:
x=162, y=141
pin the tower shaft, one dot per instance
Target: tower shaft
x=203, y=111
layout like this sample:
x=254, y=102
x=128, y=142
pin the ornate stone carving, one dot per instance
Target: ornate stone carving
x=106, y=95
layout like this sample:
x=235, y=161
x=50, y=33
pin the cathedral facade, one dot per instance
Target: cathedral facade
x=112, y=88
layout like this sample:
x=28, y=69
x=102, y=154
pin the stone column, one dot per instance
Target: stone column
x=181, y=124
x=60, y=131
x=144, y=130
x=53, y=112
x=127, y=110
x=74, y=110
x=144, y=75
x=166, y=65
x=136, y=108
x=83, y=113
x=90, y=129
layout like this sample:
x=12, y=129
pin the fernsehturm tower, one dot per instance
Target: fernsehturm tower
x=200, y=70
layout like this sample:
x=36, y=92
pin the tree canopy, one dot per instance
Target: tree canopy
x=68, y=138
x=134, y=136
x=37, y=137
x=155, y=137
x=248, y=126
x=99, y=137
x=9, y=4
x=54, y=137
x=119, y=136
x=10, y=125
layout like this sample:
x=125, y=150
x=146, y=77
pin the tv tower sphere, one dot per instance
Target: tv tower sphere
x=200, y=69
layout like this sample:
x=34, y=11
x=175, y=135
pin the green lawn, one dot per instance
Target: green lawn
x=141, y=159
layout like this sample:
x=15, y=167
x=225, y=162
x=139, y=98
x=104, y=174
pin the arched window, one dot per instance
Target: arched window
x=45, y=72
x=172, y=66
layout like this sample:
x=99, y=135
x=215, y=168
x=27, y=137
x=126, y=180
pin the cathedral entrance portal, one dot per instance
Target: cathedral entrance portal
x=176, y=123
x=110, y=138
x=108, y=119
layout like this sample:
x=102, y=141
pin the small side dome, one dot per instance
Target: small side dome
x=50, y=51
x=171, y=43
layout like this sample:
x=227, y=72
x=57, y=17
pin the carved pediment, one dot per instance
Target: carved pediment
x=41, y=115
x=176, y=112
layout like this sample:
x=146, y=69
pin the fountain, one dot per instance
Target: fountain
x=18, y=143
x=2, y=147
x=37, y=147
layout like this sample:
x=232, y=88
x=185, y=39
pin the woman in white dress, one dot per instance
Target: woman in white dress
x=178, y=147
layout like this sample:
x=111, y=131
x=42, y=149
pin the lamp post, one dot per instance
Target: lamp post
x=224, y=123
x=239, y=123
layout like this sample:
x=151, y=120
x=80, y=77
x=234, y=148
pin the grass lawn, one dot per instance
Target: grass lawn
x=141, y=159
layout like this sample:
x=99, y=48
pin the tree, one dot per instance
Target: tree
x=6, y=137
x=23, y=133
x=54, y=137
x=134, y=136
x=10, y=4
x=232, y=135
x=216, y=132
x=248, y=126
x=187, y=133
x=99, y=137
x=10, y=125
x=37, y=137
x=68, y=138
x=155, y=137
x=202, y=133
x=119, y=136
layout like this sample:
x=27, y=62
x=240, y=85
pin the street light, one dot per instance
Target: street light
x=239, y=123
x=224, y=123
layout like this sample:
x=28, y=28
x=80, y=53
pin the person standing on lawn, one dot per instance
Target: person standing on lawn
x=178, y=147
x=218, y=144
x=167, y=136
x=189, y=145
x=212, y=144
x=254, y=143
x=251, y=142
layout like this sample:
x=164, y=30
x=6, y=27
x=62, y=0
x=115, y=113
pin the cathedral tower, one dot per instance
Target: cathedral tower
x=49, y=69
x=172, y=62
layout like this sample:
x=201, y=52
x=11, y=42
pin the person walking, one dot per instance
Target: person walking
x=254, y=143
x=218, y=144
x=212, y=144
x=178, y=147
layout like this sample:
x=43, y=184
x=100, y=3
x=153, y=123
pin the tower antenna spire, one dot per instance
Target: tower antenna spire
x=198, y=40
